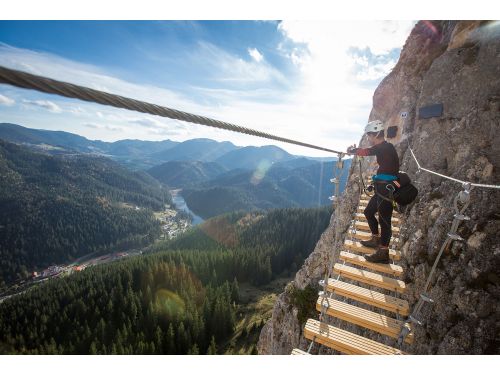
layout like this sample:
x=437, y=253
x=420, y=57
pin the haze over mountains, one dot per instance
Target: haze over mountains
x=139, y=154
x=216, y=177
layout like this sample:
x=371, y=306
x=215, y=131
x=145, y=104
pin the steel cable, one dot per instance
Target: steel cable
x=30, y=81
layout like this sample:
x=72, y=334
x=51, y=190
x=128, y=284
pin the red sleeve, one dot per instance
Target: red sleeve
x=363, y=152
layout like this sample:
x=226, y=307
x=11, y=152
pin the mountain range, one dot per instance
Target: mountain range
x=216, y=177
x=138, y=154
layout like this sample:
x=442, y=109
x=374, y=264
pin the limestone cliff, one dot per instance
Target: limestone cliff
x=456, y=65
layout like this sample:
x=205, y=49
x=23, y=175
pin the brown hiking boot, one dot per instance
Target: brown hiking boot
x=373, y=242
x=381, y=256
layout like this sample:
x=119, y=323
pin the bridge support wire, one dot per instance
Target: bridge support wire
x=30, y=81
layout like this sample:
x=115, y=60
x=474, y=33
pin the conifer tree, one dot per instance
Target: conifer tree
x=212, y=349
x=194, y=350
x=170, y=340
x=235, y=291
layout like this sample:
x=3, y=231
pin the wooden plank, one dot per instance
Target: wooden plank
x=365, y=236
x=361, y=217
x=365, y=197
x=357, y=247
x=310, y=334
x=369, y=297
x=363, y=225
x=299, y=352
x=361, y=209
x=363, y=318
x=391, y=269
x=344, y=341
x=369, y=278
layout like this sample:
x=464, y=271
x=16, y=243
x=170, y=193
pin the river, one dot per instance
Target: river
x=181, y=204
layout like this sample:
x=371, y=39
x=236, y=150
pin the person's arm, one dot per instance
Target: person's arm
x=352, y=150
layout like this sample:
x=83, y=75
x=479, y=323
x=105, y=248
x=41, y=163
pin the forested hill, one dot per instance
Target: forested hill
x=181, y=299
x=57, y=208
x=253, y=246
x=296, y=183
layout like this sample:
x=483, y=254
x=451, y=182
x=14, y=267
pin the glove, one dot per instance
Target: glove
x=351, y=149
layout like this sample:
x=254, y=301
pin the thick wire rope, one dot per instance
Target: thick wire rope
x=448, y=177
x=30, y=81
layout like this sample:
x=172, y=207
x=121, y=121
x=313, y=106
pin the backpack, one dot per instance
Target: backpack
x=406, y=192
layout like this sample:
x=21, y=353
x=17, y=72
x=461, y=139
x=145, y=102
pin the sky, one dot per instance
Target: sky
x=310, y=80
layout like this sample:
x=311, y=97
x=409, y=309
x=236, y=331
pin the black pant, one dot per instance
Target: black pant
x=384, y=209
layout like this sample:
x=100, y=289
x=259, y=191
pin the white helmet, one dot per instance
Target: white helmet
x=374, y=126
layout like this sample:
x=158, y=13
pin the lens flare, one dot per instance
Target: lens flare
x=431, y=27
x=220, y=230
x=260, y=172
x=170, y=303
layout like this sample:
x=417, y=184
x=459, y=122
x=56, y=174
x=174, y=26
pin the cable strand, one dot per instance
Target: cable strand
x=30, y=81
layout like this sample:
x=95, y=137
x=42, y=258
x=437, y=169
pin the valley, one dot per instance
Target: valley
x=186, y=257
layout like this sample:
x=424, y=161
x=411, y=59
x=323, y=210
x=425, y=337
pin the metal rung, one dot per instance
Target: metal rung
x=461, y=217
x=321, y=293
x=426, y=298
x=334, y=180
x=455, y=237
x=405, y=331
x=415, y=320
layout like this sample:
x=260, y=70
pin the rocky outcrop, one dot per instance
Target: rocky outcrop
x=455, y=65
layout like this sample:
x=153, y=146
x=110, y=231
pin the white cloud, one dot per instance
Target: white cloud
x=76, y=110
x=4, y=100
x=159, y=127
x=108, y=127
x=376, y=71
x=226, y=67
x=92, y=125
x=255, y=54
x=46, y=104
x=150, y=123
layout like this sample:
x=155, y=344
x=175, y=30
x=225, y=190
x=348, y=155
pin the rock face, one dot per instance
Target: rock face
x=456, y=65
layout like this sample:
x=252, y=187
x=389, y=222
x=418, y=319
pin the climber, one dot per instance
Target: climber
x=388, y=161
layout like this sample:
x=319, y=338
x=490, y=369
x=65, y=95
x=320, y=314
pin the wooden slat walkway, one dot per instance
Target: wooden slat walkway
x=357, y=247
x=363, y=225
x=356, y=268
x=365, y=236
x=361, y=217
x=361, y=209
x=344, y=341
x=370, y=297
x=370, y=278
x=364, y=318
x=359, y=260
